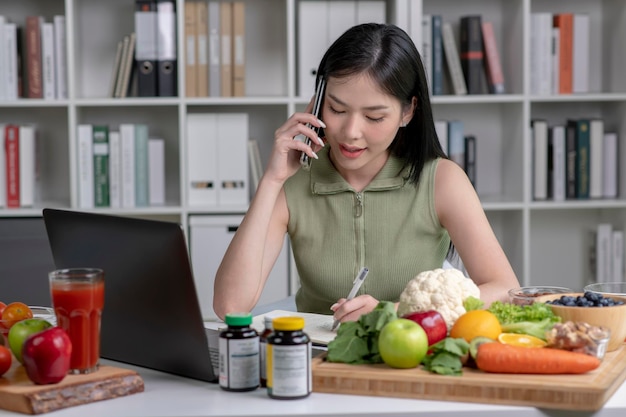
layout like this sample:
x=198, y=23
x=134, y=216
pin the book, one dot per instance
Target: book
x=34, y=66
x=557, y=144
x=456, y=142
x=127, y=160
x=256, y=165
x=101, y=174
x=167, y=56
x=470, y=158
x=603, y=252
x=156, y=171
x=610, y=160
x=316, y=326
x=226, y=48
x=85, y=166
x=555, y=57
x=540, y=159
x=3, y=168
x=582, y=158
x=146, y=54
x=492, y=64
x=541, y=53
x=453, y=60
x=116, y=68
x=214, y=58
x=28, y=165
x=471, y=47
x=191, y=34
x=142, y=171
x=12, y=153
x=441, y=127
x=127, y=66
x=427, y=49
x=437, y=59
x=617, y=256
x=580, y=53
x=202, y=50
x=239, y=49
x=10, y=52
x=596, y=139
x=48, y=66
x=60, y=54
x=565, y=23
x=570, y=160
x=115, y=170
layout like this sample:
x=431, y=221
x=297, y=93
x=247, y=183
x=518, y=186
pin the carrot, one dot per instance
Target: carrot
x=509, y=359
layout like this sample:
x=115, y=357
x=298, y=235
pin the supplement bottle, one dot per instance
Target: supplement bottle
x=288, y=360
x=239, y=354
x=263, y=348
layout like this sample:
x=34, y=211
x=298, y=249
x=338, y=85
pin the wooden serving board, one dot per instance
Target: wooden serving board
x=567, y=392
x=18, y=393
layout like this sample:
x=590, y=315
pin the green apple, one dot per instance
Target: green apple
x=402, y=343
x=21, y=331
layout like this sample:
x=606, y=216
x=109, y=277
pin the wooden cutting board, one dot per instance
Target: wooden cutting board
x=567, y=392
x=18, y=393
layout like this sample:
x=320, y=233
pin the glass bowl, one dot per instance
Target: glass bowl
x=39, y=312
x=527, y=295
x=607, y=288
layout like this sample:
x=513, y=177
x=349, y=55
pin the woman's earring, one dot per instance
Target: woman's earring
x=403, y=124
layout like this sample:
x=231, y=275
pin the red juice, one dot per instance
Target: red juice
x=78, y=307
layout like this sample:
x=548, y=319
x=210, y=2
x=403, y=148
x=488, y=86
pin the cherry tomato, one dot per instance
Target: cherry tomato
x=2, y=307
x=5, y=360
x=15, y=312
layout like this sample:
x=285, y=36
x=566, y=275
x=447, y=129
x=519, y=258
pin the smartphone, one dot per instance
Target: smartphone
x=305, y=161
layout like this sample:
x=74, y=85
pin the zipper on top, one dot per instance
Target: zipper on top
x=358, y=204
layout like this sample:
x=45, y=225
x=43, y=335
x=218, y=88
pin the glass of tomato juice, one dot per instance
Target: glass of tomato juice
x=78, y=300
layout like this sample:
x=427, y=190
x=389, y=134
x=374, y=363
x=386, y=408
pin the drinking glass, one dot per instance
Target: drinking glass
x=78, y=300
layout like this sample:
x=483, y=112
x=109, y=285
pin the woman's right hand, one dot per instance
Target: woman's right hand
x=285, y=158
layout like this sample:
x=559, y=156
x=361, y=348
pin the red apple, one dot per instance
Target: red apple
x=46, y=356
x=432, y=322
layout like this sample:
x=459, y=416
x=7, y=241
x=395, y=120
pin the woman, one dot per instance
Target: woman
x=380, y=192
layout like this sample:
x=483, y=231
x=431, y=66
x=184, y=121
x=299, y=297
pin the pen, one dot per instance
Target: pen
x=355, y=288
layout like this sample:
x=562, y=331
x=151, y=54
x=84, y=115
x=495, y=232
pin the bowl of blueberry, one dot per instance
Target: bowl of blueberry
x=592, y=308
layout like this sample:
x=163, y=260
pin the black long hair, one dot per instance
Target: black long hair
x=389, y=56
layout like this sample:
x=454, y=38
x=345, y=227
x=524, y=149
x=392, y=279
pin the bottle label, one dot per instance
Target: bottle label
x=289, y=370
x=239, y=363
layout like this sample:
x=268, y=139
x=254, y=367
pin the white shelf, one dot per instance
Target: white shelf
x=545, y=241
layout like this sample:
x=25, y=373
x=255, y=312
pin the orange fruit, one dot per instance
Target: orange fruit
x=476, y=323
x=524, y=340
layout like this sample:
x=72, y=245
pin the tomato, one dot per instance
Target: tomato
x=5, y=360
x=15, y=312
x=2, y=307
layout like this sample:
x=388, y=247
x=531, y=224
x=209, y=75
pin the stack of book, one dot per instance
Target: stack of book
x=35, y=67
x=215, y=48
x=460, y=147
x=559, y=53
x=18, y=165
x=574, y=160
x=120, y=169
x=471, y=63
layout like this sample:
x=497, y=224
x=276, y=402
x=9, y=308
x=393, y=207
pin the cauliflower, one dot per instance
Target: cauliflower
x=443, y=290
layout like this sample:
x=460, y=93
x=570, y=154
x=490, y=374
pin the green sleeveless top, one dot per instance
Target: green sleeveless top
x=391, y=227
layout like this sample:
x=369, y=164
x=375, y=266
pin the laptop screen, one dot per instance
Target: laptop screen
x=151, y=315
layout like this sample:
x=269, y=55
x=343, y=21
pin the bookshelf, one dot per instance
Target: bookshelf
x=547, y=242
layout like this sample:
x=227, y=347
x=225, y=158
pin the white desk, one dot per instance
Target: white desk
x=169, y=395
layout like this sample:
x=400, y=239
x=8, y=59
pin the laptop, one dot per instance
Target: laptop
x=151, y=315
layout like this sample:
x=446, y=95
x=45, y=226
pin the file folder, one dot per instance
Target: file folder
x=166, y=48
x=146, y=47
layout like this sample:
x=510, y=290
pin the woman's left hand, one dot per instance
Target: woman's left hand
x=350, y=310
